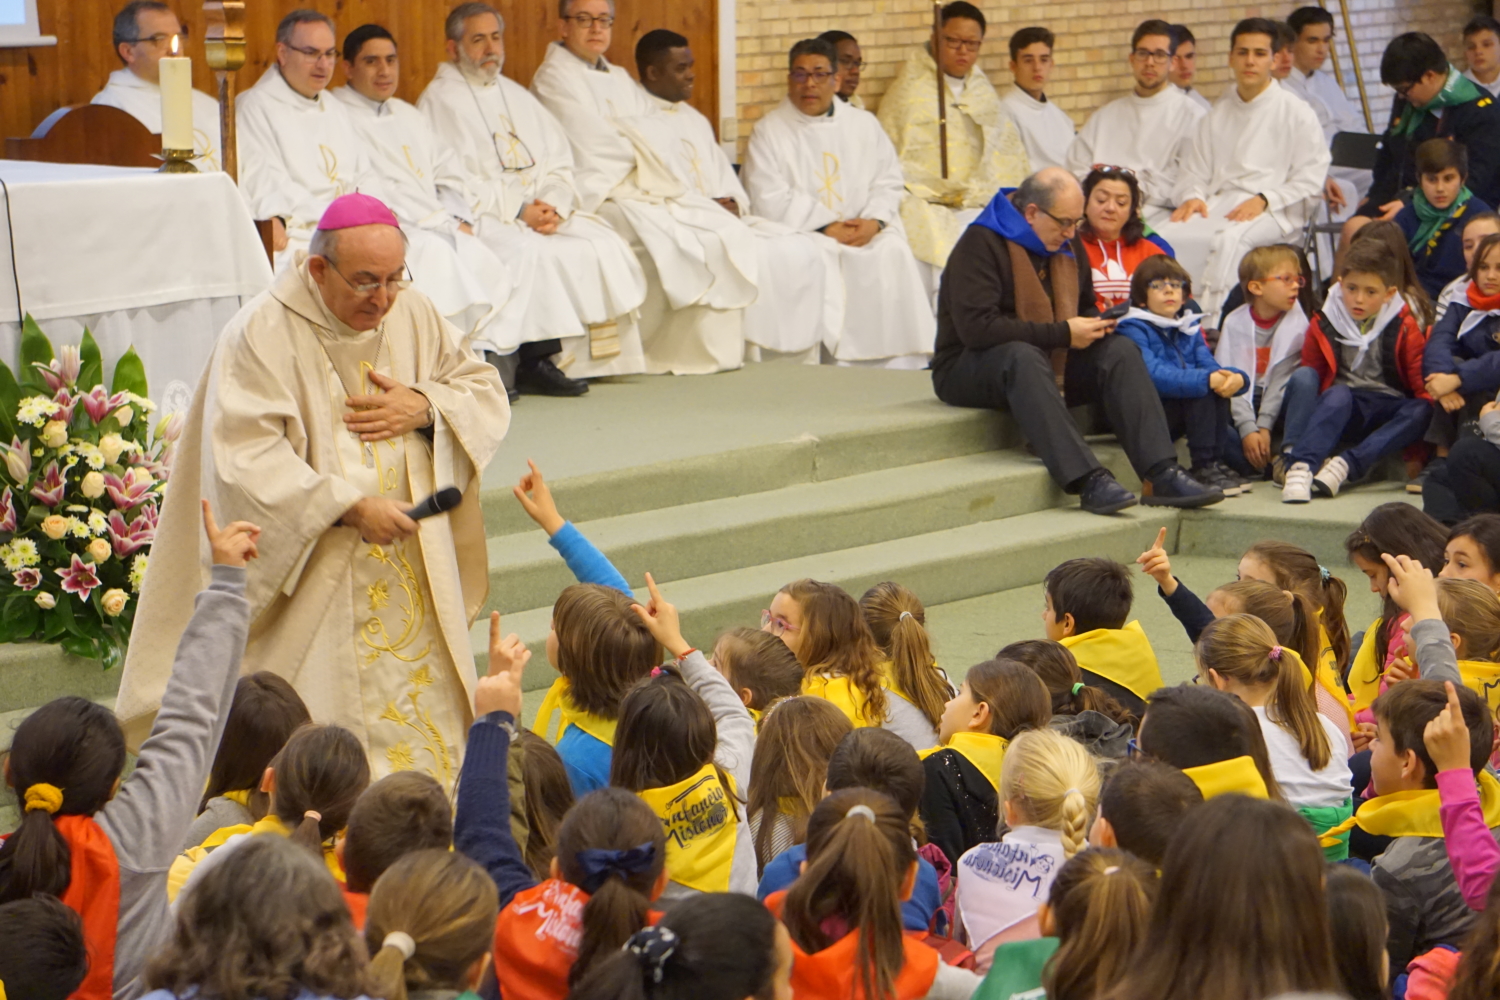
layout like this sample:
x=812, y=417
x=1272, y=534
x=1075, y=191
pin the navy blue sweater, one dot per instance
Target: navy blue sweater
x=1474, y=357
x=1442, y=258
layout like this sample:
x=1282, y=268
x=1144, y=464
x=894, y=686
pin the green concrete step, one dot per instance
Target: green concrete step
x=1320, y=526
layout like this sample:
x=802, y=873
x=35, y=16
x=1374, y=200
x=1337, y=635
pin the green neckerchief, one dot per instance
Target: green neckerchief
x=1458, y=89
x=1430, y=219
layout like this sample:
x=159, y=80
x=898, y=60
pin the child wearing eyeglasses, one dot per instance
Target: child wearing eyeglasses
x=1194, y=387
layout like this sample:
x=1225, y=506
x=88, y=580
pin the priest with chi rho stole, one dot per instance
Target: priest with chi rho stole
x=333, y=402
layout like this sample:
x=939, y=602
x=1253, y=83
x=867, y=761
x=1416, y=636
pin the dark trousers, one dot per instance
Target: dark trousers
x=1017, y=378
x=1467, y=484
x=538, y=350
x=1201, y=421
x=1383, y=423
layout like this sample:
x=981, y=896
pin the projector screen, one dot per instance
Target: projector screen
x=19, y=26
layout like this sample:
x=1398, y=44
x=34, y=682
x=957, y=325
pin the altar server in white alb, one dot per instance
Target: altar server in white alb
x=819, y=165
x=143, y=34
x=1045, y=128
x=1320, y=89
x=577, y=285
x=700, y=261
x=299, y=150
x=800, y=301
x=423, y=183
x=1252, y=175
x=1147, y=130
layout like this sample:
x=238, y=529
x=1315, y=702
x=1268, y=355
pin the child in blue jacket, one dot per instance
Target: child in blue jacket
x=1461, y=363
x=1194, y=388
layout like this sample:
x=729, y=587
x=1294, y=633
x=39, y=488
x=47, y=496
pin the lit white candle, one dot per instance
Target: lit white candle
x=176, y=82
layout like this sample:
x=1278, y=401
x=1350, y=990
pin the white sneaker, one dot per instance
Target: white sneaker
x=1298, y=485
x=1334, y=473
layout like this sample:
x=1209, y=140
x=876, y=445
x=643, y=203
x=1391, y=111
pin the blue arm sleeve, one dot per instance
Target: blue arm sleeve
x=1171, y=381
x=481, y=822
x=1481, y=374
x=1191, y=612
x=588, y=564
x=1437, y=356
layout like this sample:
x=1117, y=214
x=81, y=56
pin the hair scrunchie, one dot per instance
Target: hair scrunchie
x=1079, y=687
x=600, y=865
x=1275, y=654
x=402, y=942
x=905, y=615
x=652, y=946
x=1323, y=573
x=48, y=798
x=861, y=810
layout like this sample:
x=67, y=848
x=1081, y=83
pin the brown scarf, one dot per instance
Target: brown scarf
x=1032, y=304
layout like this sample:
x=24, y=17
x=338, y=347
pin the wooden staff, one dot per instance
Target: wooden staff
x=1359, y=73
x=224, y=42
x=942, y=85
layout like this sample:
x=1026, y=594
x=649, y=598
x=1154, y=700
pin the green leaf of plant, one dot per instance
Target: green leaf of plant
x=52, y=627
x=10, y=399
x=130, y=375
x=80, y=646
x=92, y=371
x=35, y=349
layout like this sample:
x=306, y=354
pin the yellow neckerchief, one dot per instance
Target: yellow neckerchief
x=1123, y=655
x=559, y=701
x=240, y=795
x=184, y=863
x=888, y=679
x=699, y=817
x=1364, y=673
x=842, y=694
x=1328, y=670
x=755, y=714
x=1483, y=677
x=1238, y=774
x=1415, y=813
x=985, y=751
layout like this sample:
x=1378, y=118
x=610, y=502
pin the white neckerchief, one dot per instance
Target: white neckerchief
x=1237, y=338
x=1474, y=318
x=1186, y=323
x=1347, y=327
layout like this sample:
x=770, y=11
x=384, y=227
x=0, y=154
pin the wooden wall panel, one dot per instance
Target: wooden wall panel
x=36, y=82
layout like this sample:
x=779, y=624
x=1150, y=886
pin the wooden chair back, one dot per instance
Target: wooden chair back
x=88, y=133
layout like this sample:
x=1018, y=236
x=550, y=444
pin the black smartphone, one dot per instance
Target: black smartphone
x=1116, y=311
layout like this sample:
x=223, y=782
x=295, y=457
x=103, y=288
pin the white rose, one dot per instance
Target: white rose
x=55, y=526
x=111, y=445
x=124, y=415
x=55, y=434
x=99, y=550
x=113, y=601
x=46, y=601
x=92, y=485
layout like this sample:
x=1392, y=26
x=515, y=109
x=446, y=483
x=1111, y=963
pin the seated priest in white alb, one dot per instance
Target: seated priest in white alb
x=985, y=152
x=851, y=62
x=801, y=294
x=1147, y=129
x=423, y=183
x=700, y=261
x=143, y=34
x=299, y=150
x=1253, y=173
x=1045, y=128
x=819, y=165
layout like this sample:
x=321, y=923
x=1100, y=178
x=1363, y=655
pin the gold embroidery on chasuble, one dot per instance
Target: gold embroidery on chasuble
x=829, y=180
x=203, y=147
x=412, y=163
x=695, y=164
x=331, y=170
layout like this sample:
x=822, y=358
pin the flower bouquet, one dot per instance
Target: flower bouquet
x=80, y=489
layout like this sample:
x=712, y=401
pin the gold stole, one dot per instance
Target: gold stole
x=1123, y=655
x=1238, y=774
x=701, y=825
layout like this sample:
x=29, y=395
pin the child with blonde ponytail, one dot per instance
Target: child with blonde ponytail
x=1049, y=786
x=898, y=621
x=430, y=926
x=1240, y=655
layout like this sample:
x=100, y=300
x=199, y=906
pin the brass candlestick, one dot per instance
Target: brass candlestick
x=177, y=161
x=224, y=45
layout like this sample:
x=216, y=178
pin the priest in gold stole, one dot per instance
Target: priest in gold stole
x=334, y=402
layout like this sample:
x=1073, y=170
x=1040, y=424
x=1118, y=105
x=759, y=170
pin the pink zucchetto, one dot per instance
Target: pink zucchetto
x=350, y=210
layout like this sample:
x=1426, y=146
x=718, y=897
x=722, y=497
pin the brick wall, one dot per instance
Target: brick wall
x=1092, y=39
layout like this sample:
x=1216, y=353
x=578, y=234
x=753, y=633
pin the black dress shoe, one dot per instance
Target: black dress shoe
x=1175, y=488
x=543, y=378
x=1102, y=494
x=514, y=395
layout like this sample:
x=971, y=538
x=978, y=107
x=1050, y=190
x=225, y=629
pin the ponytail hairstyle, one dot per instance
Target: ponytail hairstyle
x=758, y=662
x=319, y=775
x=1296, y=569
x=1292, y=616
x=1242, y=648
x=1054, y=783
x=443, y=907
x=549, y=796
x=666, y=734
x=65, y=759
x=898, y=622
x=602, y=646
x=713, y=946
x=859, y=856
x=837, y=642
x=265, y=712
x=613, y=847
x=790, y=766
x=1054, y=664
x=1401, y=530
x=42, y=951
x=1101, y=902
x=1192, y=725
x=1478, y=974
x=1358, y=927
x=1472, y=612
x=1017, y=698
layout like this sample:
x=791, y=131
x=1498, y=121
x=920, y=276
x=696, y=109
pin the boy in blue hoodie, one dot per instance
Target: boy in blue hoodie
x=1194, y=388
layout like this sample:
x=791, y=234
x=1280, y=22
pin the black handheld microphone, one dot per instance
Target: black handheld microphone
x=443, y=500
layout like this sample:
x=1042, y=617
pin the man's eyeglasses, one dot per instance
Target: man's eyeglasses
x=393, y=286
x=587, y=21
x=818, y=76
x=317, y=55
x=159, y=39
x=960, y=44
x=1064, y=224
x=775, y=624
x=850, y=62
x=1158, y=56
x=1166, y=285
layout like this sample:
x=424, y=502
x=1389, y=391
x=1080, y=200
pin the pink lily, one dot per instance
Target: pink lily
x=96, y=404
x=17, y=460
x=60, y=372
x=29, y=578
x=78, y=578
x=7, y=512
x=49, y=489
x=128, y=492
x=66, y=404
x=129, y=539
